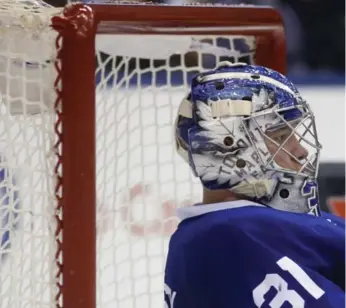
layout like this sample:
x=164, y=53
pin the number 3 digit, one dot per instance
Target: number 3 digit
x=283, y=293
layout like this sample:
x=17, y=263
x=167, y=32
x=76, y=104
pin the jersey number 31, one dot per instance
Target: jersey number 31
x=285, y=295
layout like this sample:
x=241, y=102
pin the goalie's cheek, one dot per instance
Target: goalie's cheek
x=283, y=159
x=293, y=146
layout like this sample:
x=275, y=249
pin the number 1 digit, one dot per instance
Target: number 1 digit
x=298, y=273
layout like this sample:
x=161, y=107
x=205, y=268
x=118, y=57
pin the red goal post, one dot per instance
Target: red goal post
x=76, y=124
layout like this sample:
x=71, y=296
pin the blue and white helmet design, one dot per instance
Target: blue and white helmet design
x=247, y=129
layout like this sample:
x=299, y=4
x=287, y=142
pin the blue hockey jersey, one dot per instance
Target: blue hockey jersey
x=241, y=255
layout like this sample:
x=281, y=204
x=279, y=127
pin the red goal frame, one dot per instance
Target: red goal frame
x=75, y=107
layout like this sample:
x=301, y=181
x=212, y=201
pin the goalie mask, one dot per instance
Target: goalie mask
x=246, y=128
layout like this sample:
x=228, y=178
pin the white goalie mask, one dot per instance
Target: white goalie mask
x=246, y=129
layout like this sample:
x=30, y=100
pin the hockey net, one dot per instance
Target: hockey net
x=55, y=189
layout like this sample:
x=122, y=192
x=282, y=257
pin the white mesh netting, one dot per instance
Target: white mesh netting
x=140, y=179
x=27, y=202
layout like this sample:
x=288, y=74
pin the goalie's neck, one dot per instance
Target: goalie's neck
x=217, y=196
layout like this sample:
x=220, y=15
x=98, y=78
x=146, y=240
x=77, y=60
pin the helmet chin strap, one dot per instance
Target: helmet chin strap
x=255, y=189
x=286, y=198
